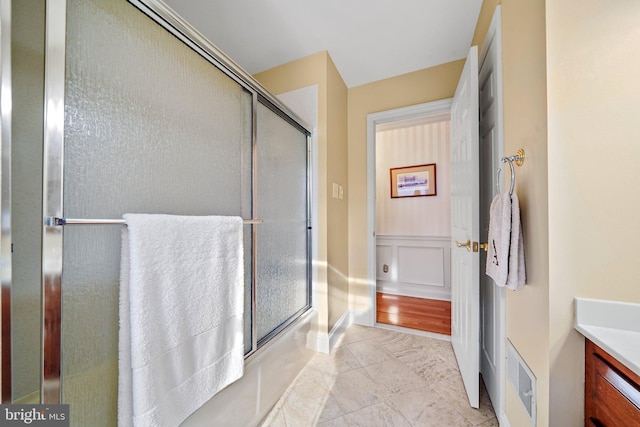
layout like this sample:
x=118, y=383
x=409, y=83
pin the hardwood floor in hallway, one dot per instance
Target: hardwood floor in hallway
x=424, y=314
x=379, y=377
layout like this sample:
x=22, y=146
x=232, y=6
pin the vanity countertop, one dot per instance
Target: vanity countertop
x=614, y=326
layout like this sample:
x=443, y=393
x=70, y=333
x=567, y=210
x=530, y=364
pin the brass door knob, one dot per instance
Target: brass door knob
x=464, y=245
x=484, y=246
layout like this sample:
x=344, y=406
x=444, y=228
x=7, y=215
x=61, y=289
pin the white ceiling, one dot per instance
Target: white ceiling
x=368, y=40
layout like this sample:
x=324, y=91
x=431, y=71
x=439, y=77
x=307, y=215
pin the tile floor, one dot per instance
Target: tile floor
x=378, y=377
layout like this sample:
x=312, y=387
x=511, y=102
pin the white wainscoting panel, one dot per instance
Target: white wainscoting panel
x=421, y=266
x=417, y=266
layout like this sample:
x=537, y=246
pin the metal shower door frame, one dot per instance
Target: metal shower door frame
x=6, y=246
x=53, y=174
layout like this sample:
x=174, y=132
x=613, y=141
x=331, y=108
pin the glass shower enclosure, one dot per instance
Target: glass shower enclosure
x=143, y=115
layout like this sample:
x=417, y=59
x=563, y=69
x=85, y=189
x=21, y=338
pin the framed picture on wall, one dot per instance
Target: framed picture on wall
x=413, y=181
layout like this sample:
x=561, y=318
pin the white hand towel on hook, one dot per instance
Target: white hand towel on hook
x=181, y=315
x=505, y=255
x=499, y=239
x=517, y=275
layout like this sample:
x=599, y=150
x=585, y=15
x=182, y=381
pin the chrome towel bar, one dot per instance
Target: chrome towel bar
x=56, y=221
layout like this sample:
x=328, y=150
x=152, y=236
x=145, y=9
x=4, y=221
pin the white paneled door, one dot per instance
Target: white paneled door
x=492, y=297
x=465, y=294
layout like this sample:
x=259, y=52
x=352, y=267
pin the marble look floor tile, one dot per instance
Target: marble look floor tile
x=355, y=390
x=413, y=403
x=431, y=368
x=435, y=413
x=444, y=344
x=450, y=360
x=485, y=402
x=380, y=415
x=380, y=334
x=369, y=352
x=305, y=403
x=377, y=377
x=493, y=422
x=275, y=419
x=310, y=372
x=331, y=409
x=399, y=344
x=336, y=422
x=339, y=361
x=357, y=333
x=395, y=376
x=407, y=344
x=474, y=416
x=452, y=389
x=418, y=353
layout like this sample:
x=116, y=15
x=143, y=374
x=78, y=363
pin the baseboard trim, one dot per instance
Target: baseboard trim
x=338, y=329
x=503, y=420
x=323, y=342
x=363, y=318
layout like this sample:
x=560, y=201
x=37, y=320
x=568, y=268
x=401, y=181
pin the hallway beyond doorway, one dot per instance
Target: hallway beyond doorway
x=423, y=314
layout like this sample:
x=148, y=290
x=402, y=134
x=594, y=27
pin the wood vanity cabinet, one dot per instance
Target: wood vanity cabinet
x=612, y=391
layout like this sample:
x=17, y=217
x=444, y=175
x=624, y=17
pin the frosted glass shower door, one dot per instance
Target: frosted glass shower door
x=150, y=127
x=282, y=285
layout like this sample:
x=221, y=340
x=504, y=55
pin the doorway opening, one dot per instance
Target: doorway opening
x=400, y=245
x=413, y=206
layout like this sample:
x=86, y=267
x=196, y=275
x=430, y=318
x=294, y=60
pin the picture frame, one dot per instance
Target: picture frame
x=413, y=181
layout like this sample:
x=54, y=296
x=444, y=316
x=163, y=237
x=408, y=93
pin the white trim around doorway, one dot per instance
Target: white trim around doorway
x=443, y=106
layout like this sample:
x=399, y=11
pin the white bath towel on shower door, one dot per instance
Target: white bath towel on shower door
x=181, y=315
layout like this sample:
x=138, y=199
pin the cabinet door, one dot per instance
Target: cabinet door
x=612, y=395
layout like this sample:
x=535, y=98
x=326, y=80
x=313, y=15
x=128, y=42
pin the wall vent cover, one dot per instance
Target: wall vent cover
x=522, y=380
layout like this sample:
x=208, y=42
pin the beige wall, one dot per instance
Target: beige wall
x=577, y=229
x=594, y=104
x=525, y=126
x=338, y=213
x=333, y=268
x=484, y=21
x=421, y=86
